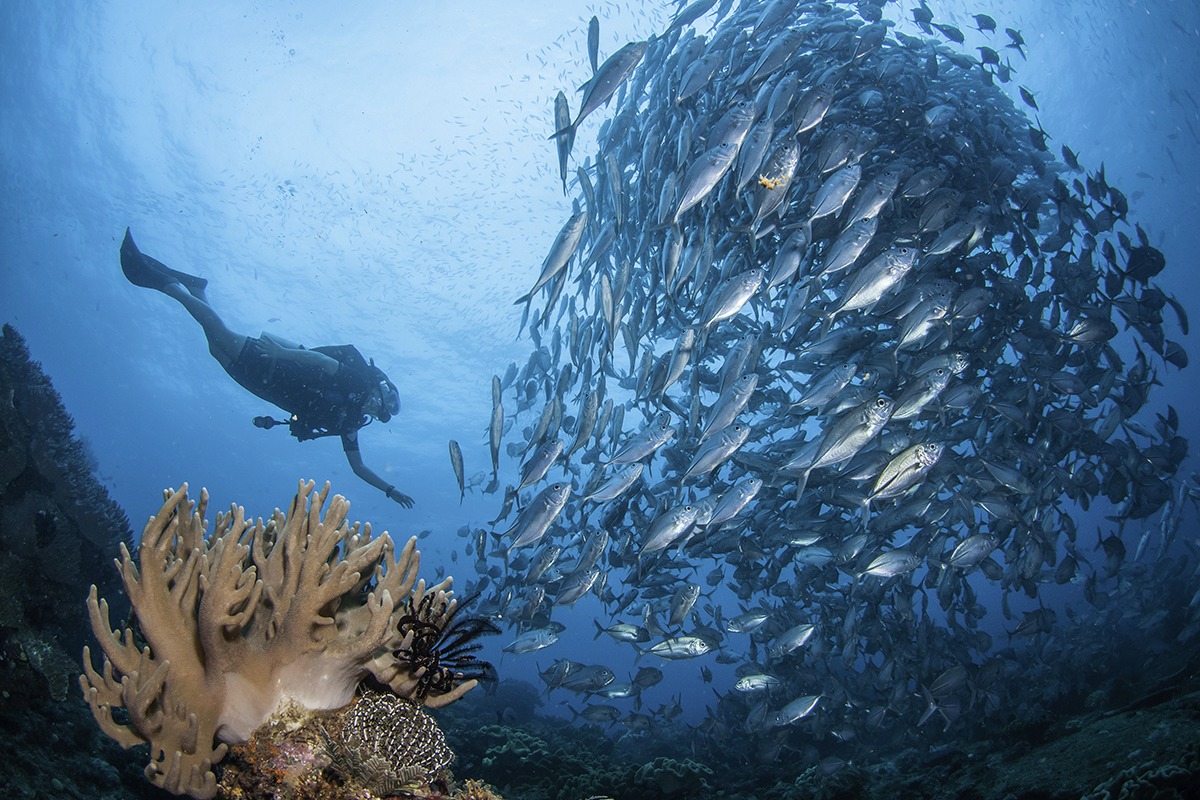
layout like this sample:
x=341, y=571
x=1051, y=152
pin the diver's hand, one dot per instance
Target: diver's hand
x=399, y=497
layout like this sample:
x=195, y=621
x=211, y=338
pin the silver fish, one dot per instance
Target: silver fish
x=495, y=432
x=906, y=470
x=704, y=175
x=539, y=463
x=913, y=400
x=616, y=486
x=530, y=641
x=735, y=499
x=562, y=119
x=834, y=192
x=456, y=461
x=560, y=253
x=850, y=244
x=876, y=193
x=733, y=294
x=791, y=640
x=730, y=404
x=756, y=683
x=681, y=603
x=668, y=527
x=624, y=632
x=576, y=585
x=680, y=647
x=872, y=282
x=645, y=442
x=794, y=711
x=535, y=519
x=774, y=181
x=715, y=451
x=826, y=385
x=892, y=563
x=812, y=108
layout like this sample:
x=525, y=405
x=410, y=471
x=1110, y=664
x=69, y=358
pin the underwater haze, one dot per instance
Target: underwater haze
x=387, y=175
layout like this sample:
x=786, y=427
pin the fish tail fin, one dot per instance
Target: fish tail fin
x=866, y=513
x=801, y=483
x=599, y=629
x=568, y=130
x=826, y=326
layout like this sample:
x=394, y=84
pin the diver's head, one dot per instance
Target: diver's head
x=389, y=400
x=383, y=401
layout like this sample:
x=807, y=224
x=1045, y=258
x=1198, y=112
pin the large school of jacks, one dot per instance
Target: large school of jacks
x=832, y=332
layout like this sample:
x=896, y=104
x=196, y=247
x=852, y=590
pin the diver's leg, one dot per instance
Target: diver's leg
x=224, y=344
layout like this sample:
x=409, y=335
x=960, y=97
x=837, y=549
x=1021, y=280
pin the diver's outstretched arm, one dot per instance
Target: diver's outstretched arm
x=350, y=445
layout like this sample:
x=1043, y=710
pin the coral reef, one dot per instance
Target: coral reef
x=56, y=523
x=56, y=520
x=380, y=746
x=238, y=623
x=666, y=777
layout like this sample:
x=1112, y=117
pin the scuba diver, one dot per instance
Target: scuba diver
x=327, y=391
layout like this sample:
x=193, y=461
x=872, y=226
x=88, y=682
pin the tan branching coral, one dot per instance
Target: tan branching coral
x=298, y=609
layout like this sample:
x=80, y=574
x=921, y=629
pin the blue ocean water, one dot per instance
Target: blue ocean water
x=381, y=176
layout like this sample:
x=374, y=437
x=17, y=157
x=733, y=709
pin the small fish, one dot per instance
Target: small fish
x=680, y=647
x=539, y=463
x=747, y=621
x=669, y=527
x=616, y=486
x=531, y=641
x=734, y=500
x=713, y=452
x=561, y=250
x=730, y=404
x=456, y=461
x=756, y=683
x=892, y=563
x=535, y=519
x=593, y=43
x=794, y=711
x=791, y=640
x=576, y=585
x=642, y=444
x=623, y=632
x=562, y=119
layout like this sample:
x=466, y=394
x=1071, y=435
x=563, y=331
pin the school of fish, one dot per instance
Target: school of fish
x=832, y=334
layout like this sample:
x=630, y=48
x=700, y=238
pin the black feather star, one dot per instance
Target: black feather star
x=443, y=643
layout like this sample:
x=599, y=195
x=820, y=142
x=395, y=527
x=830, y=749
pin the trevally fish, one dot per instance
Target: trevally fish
x=535, y=519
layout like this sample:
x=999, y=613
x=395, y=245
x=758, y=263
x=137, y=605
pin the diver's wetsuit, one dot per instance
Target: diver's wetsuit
x=320, y=404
